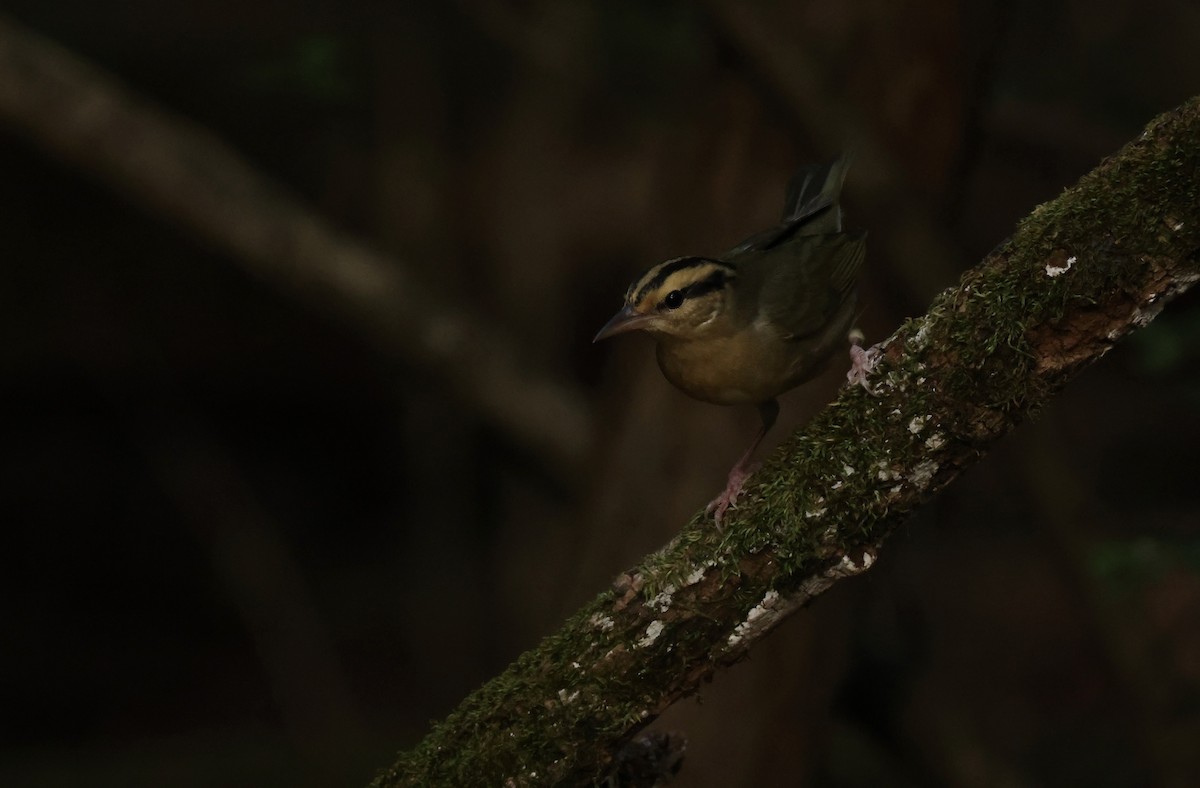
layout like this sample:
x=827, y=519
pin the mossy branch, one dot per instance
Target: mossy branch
x=1078, y=273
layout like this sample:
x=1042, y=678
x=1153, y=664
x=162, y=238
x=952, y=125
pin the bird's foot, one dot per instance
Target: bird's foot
x=862, y=361
x=728, y=498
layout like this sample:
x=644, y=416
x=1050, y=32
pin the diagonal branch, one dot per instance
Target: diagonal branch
x=1079, y=273
x=187, y=175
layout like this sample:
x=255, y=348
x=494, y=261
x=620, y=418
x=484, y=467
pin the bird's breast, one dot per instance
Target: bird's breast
x=743, y=368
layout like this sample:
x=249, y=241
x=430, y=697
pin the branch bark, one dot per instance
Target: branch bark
x=185, y=174
x=1079, y=273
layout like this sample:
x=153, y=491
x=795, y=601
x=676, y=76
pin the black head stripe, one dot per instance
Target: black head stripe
x=665, y=270
x=661, y=274
x=714, y=281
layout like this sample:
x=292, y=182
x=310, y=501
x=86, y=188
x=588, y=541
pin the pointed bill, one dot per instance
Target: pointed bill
x=625, y=320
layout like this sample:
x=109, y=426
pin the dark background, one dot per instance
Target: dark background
x=244, y=545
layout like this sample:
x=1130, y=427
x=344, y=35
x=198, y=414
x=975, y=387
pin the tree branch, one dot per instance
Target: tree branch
x=1079, y=273
x=182, y=172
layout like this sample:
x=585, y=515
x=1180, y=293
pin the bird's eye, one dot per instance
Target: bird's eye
x=673, y=300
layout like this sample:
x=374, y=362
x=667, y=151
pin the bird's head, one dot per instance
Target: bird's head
x=682, y=298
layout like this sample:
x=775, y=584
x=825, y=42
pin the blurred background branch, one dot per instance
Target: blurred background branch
x=191, y=352
x=192, y=178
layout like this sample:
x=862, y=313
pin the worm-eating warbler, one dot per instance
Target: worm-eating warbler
x=759, y=320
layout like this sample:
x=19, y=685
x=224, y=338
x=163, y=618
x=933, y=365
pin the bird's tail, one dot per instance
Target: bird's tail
x=813, y=189
x=810, y=208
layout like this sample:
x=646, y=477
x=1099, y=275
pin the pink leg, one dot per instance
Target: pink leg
x=741, y=471
x=861, y=361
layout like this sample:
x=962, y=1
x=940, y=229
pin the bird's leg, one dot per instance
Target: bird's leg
x=861, y=361
x=740, y=472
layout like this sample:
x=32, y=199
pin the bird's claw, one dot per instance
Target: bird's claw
x=719, y=505
x=862, y=361
x=728, y=498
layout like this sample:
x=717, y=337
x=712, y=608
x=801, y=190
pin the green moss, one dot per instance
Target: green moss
x=951, y=382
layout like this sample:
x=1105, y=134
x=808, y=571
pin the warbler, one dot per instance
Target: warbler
x=759, y=320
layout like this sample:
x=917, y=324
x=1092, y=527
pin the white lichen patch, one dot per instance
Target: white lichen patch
x=756, y=618
x=848, y=470
x=923, y=473
x=601, y=622
x=1154, y=303
x=848, y=566
x=662, y=600
x=567, y=698
x=814, y=513
x=921, y=338
x=1144, y=316
x=935, y=441
x=653, y=630
x=836, y=485
x=1177, y=226
x=1053, y=270
x=698, y=574
x=917, y=424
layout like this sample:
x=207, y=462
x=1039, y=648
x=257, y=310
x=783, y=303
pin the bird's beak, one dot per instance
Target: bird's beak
x=625, y=320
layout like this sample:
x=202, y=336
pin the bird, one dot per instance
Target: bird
x=768, y=315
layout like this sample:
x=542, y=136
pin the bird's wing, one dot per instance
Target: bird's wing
x=806, y=282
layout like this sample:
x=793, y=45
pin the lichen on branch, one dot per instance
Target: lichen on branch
x=1078, y=274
